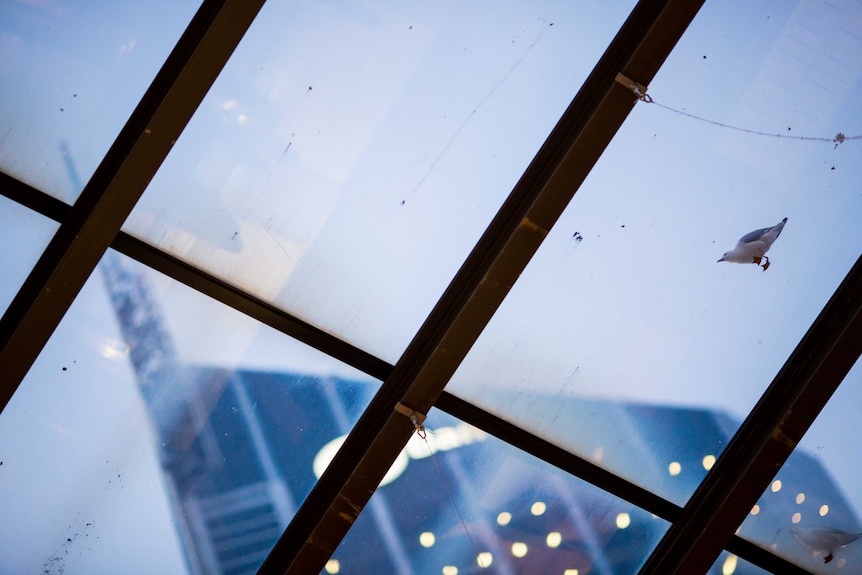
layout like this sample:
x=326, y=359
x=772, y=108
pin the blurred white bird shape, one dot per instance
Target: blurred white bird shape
x=824, y=540
x=752, y=247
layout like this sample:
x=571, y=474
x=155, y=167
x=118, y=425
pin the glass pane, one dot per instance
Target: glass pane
x=70, y=74
x=145, y=435
x=25, y=236
x=810, y=513
x=730, y=564
x=481, y=506
x=625, y=302
x=347, y=159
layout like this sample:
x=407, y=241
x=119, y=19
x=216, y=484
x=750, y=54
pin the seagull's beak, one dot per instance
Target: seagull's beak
x=722, y=259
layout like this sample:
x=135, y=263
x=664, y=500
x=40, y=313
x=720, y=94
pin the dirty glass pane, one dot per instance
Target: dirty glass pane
x=810, y=512
x=71, y=72
x=25, y=236
x=625, y=303
x=350, y=155
x=145, y=439
x=481, y=506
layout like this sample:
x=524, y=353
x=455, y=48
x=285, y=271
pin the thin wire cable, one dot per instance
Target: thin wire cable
x=839, y=138
x=422, y=432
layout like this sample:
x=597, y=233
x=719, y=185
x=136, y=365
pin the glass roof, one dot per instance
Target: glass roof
x=185, y=448
x=625, y=299
x=331, y=185
x=25, y=236
x=476, y=505
x=815, y=523
x=357, y=155
x=71, y=73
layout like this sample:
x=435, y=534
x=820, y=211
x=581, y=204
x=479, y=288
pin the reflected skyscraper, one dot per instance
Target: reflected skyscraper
x=241, y=449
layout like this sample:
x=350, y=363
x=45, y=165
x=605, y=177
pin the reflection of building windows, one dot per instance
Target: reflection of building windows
x=241, y=448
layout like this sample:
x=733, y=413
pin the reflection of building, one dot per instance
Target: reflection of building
x=239, y=448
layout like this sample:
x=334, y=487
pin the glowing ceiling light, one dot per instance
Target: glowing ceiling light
x=570, y=572
x=554, y=539
x=708, y=462
x=519, y=549
x=450, y=570
x=427, y=539
x=504, y=518
x=755, y=510
x=538, y=508
x=797, y=517
x=484, y=559
x=623, y=520
x=674, y=468
x=729, y=566
x=800, y=497
x=332, y=566
x=776, y=486
x=824, y=509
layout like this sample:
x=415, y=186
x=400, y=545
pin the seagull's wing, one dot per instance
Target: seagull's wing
x=765, y=235
x=754, y=236
x=825, y=538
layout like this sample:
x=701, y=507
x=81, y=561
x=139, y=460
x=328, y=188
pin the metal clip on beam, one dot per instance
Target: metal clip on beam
x=636, y=88
x=416, y=417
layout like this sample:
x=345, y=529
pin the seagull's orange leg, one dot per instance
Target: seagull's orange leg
x=766, y=265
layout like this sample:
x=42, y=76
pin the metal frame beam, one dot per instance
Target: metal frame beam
x=599, y=477
x=766, y=438
x=291, y=326
x=118, y=182
x=516, y=232
x=700, y=530
x=207, y=284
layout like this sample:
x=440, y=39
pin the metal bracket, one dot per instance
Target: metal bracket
x=636, y=88
x=416, y=417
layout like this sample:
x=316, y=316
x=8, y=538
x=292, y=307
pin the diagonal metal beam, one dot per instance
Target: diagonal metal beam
x=763, y=558
x=599, y=477
x=207, y=284
x=557, y=456
x=483, y=281
x=30, y=197
x=472, y=414
x=766, y=438
x=118, y=182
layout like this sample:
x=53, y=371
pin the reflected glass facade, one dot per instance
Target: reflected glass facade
x=298, y=288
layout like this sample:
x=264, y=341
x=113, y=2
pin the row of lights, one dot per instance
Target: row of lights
x=555, y=538
x=452, y=570
x=485, y=559
x=800, y=499
x=675, y=467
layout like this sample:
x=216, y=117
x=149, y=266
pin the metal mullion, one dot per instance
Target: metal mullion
x=252, y=306
x=768, y=435
x=30, y=197
x=207, y=284
x=516, y=232
x=521, y=439
x=557, y=456
x=760, y=557
x=118, y=182
x=601, y=478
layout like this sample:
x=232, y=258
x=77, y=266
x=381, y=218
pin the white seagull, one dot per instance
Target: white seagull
x=752, y=247
x=823, y=539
